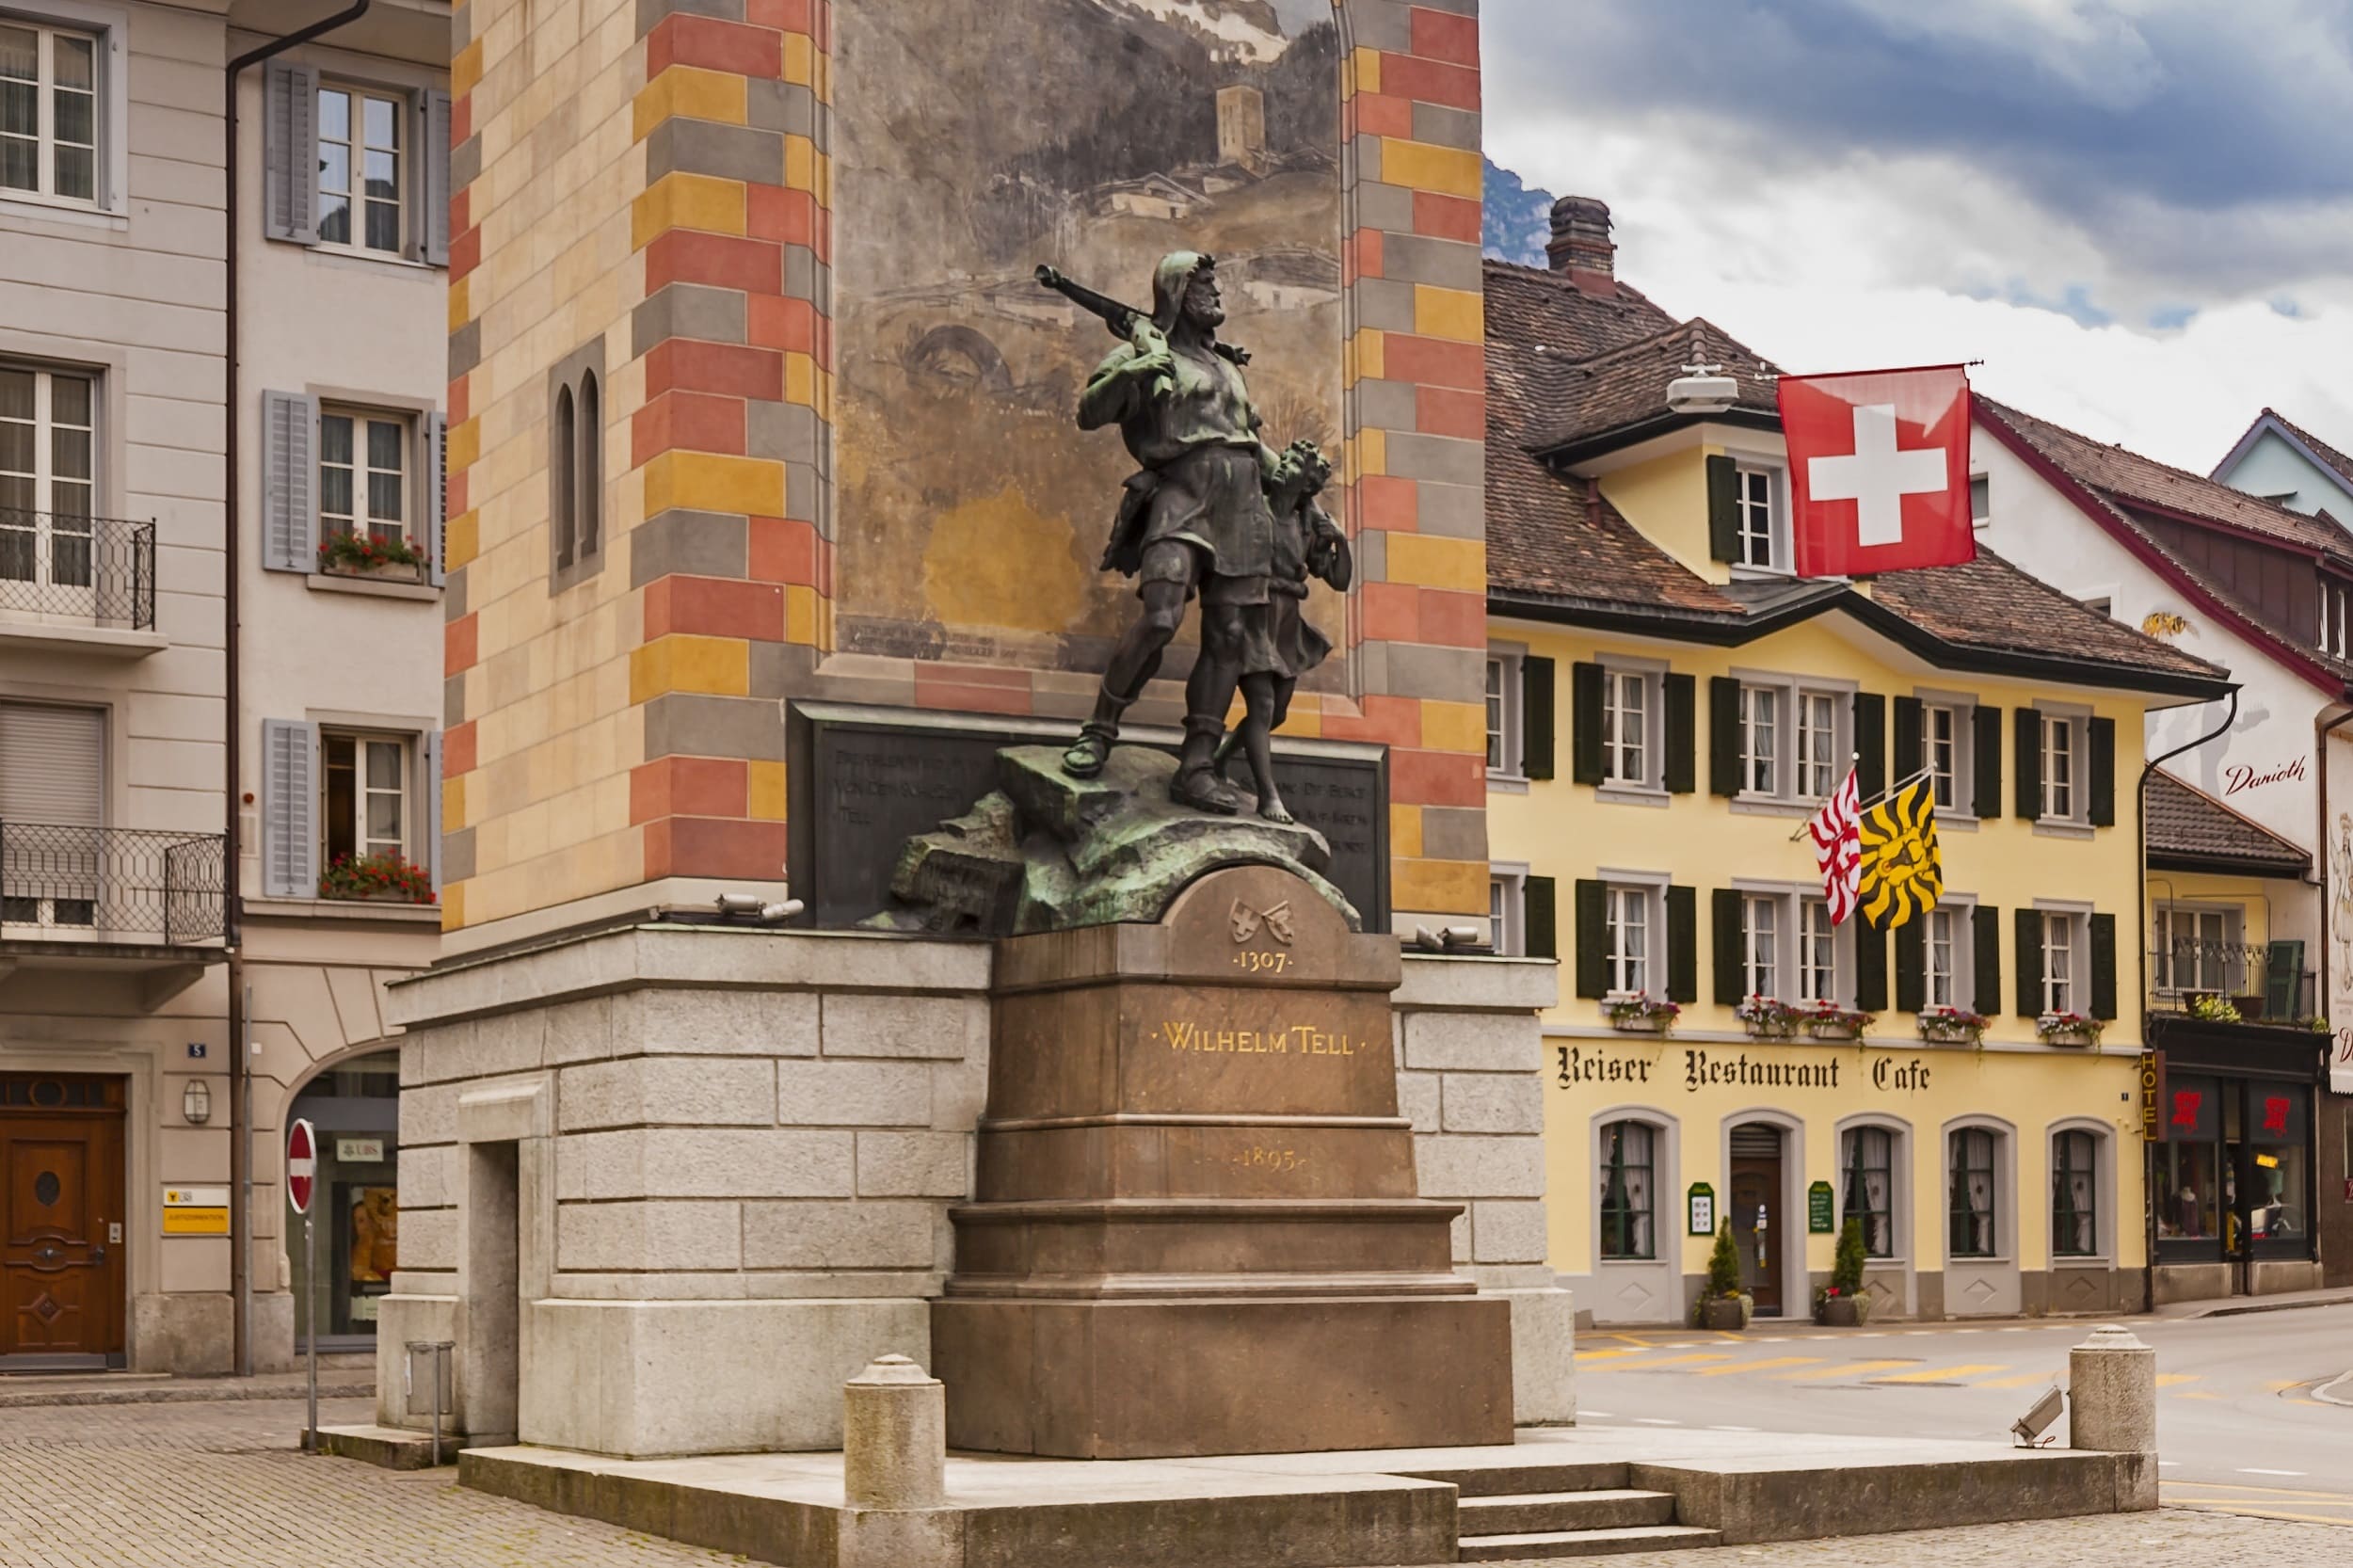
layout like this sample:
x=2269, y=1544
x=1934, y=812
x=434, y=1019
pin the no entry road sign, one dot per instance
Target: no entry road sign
x=302, y=1164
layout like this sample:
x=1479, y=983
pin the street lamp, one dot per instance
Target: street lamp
x=196, y=1102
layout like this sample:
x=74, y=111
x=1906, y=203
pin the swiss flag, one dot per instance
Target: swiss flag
x=1879, y=470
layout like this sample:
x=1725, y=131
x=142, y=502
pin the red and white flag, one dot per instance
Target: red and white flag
x=1879, y=470
x=1837, y=833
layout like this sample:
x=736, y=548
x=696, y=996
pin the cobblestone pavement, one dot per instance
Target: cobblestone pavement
x=221, y=1486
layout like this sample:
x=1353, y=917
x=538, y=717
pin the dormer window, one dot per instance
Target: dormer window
x=1756, y=518
x=2333, y=611
x=1748, y=513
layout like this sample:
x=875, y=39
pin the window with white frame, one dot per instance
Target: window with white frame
x=1625, y=727
x=2062, y=981
x=1760, y=740
x=1867, y=1161
x=1980, y=500
x=48, y=112
x=1505, y=746
x=363, y=794
x=1627, y=932
x=1941, y=728
x=361, y=178
x=2062, y=775
x=1969, y=1204
x=2074, y=1193
x=2197, y=948
x=48, y=477
x=1818, y=952
x=1794, y=742
x=1788, y=947
x=1627, y=1164
x=2333, y=597
x=1754, y=489
x=363, y=473
x=1507, y=912
x=1948, y=950
x=1817, y=745
x=1760, y=941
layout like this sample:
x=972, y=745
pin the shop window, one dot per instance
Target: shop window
x=1970, y=1205
x=2279, y=1169
x=2074, y=1194
x=2189, y=1184
x=1626, y=1186
x=1869, y=1160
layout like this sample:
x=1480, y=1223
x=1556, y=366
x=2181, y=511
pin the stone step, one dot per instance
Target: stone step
x=1498, y=1481
x=1647, y=1538
x=1615, y=1507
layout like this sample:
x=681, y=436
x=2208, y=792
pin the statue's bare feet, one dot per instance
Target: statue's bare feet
x=1087, y=754
x=1201, y=789
x=1270, y=807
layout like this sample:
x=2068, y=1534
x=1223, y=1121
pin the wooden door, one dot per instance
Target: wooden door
x=1756, y=1221
x=61, y=1183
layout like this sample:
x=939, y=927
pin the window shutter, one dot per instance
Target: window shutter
x=1536, y=704
x=53, y=765
x=1731, y=974
x=2103, y=772
x=1870, y=964
x=1986, y=929
x=1911, y=755
x=437, y=492
x=1593, y=969
x=1683, y=945
x=1911, y=965
x=1987, y=744
x=1681, y=774
x=290, y=139
x=1541, y=918
x=2283, y=982
x=2027, y=722
x=1585, y=700
x=290, y=827
x=290, y=422
x=431, y=747
x=1723, y=508
x=2103, y=930
x=433, y=221
x=1870, y=745
x=1723, y=735
x=2027, y=924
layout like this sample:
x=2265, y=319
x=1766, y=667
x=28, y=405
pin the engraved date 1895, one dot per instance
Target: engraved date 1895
x=1256, y=1158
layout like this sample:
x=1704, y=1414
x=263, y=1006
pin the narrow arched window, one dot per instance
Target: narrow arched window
x=2075, y=1195
x=588, y=490
x=561, y=460
x=1869, y=1168
x=1970, y=1205
x=1626, y=1229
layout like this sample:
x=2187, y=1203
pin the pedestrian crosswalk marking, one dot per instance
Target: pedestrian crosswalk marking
x=2021, y=1381
x=2168, y=1380
x=1607, y=1355
x=1685, y=1360
x=1942, y=1375
x=1759, y=1365
x=1851, y=1369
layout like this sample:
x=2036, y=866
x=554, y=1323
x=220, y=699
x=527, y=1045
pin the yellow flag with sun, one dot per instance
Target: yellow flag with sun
x=1903, y=874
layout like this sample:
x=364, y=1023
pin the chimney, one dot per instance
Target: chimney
x=1580, y=237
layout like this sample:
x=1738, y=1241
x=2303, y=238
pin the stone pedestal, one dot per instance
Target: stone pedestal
x=1197, y=1228
x=2112, y=1392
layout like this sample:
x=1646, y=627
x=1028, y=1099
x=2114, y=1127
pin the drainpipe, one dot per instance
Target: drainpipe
x=240, y=1057
x=2320, y=760
x=2140, y=896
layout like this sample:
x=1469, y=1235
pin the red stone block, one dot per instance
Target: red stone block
x=1390, y=505
x=1435, y=777
x=460, y=120
x=1447, y=218
x=1449, y=411
x=706, y=846
x=1451, y=86
x=686, y=421
x=465, y=253
x=461, y=644
x=460, y=749
x=825, y=344
x=1396, y=720
x=689, y=787
x=459, y=401
x=1379, y=114
x=972, y=687
x=783, y=551
x=786, y=16
x=1392, y=612
x=1453, y=619
x=730, y=369
x=1433, y=361
x=681, y=38
x=774, y=213
x=460, y=206
x=1445, y=36
x=713, y=607
x=689, y=256
x=772, y=321
x=1368, y=253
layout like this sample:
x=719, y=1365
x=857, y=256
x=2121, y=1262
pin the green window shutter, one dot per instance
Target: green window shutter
x=2103, y=772
x=1536, y=724
x=1683, y=945
x=1987, y=762
x=1870, y=745
x=1911, y=965
x=1585, y=699
x=1723, y=508
x=1870, y=964
x=1911, y=755
x=2103, y=965
x=1683, y=735
x=2029, y=924
x=1724, y=915
x=1593, y=967
x=2027, y=722
x=2283, y=982
x=1986, y=930
x=1723, y=735
x=1541, y=918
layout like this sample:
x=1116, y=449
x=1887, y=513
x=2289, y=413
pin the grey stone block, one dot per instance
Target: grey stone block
x=1388, y=208
x=579, y=1030
x=1418, y=1099
x=1464, y=1167
x=939, y=1028
x=1474, y=1042
x=914, y=1165
x=1385, y=306
x=686, y=310
x=428, y=1175
x=675, y=1091
x=775, y=105
x=1434, y=983
x=649, y=1235
x=1508, y=1231
x=782, y=432
x=782, y=669
x=1420, y=259
x=1448, y=674
x=839, y=1234
x=709, y=1022
x=1453, y=833
x=1441, y=126
x=1455, y=511
x=702, y=146
x=691, y=544
x=1493, y=1103
x=703, y=1163
x=689, y=724
x=1447, y=460
x=854, y=1094
x=429, y=1115
x=1386, y=405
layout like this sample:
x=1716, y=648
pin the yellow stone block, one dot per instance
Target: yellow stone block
x=1453, y=171
x=1434, y=561
x=800, y=59
x=687, y=92
x=1405, y=831
x=1367, y=356
x=453, y=906
x=1368, y=453
x=1455, y=314
x=800, y=379
x=461, y=540
x=718, y=665
x=465, y=68
x=460, y=307
x=712, y=482
x=452, y=804
x=1453, y=726
x=801, y=614
x=1306, y=718
x=462, y=445
x=1364, y=71
x=767, y=796
x=1438, y=887
x=800, y=164
x=702, y=202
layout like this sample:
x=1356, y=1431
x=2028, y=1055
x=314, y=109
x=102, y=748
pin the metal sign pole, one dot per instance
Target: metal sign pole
x=310, y=1289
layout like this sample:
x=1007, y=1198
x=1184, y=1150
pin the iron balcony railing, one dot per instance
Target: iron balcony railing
x=77, y=570
x=110, y=884
x=2263, y=984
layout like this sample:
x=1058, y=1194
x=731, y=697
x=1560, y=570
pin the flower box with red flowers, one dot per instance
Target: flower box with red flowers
x=382, y=878
x=392, y=559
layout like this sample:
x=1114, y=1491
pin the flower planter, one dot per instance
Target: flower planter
x=1726, y=1314
x=1772, y=1031
x=391, y=571
x=1948, y=1034
x=2073, y=1038
x=1835, y=1030
x=1843, y=1312
x=1640, y=1023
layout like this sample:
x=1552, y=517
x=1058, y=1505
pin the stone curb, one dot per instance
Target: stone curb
x=2241, y=1309
x=2326, y=1397
x=183, y=1395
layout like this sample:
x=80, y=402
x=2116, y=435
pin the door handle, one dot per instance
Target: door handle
x=98, y=1254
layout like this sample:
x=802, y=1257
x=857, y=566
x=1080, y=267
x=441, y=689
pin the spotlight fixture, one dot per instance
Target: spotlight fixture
x=2034, y=1423
x=1701, y=390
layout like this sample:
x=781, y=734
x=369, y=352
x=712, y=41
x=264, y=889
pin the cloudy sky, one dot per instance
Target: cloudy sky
x=2138, y=212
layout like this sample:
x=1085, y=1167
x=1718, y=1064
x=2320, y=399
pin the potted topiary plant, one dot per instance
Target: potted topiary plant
x=1841, y=1304
x=1725, y=1306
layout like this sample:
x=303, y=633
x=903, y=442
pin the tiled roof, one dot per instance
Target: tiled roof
x=2129, y=479
x=1625, y=386
x=2183, y=823
x=1990, y=603
x=2320, y=449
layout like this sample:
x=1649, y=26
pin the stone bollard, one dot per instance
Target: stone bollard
x=894, y=1437
x=2112, y=1380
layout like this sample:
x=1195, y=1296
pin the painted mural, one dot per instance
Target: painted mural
x=972, y=511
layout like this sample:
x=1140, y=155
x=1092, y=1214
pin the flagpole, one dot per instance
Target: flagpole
x=1900, y=785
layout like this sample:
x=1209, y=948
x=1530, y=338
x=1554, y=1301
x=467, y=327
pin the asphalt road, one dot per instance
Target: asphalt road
x=2245, y=1418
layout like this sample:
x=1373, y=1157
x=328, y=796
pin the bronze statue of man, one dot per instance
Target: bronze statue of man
x=1194, y=521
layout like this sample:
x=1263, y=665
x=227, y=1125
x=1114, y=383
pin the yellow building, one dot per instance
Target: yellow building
x=1667, y=705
